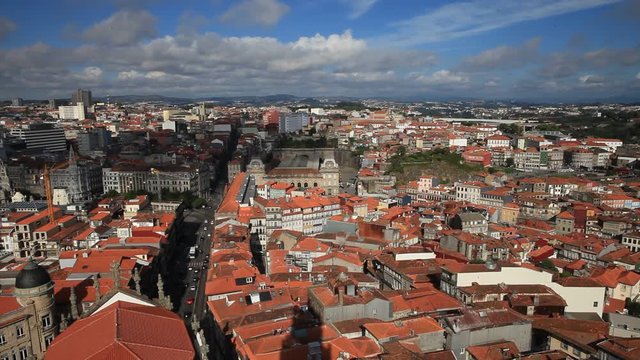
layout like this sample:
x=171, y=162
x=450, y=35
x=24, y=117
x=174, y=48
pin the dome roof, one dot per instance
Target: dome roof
x=31, y=276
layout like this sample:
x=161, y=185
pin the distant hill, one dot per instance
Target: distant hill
x=319, y=101
x=127, y=99
x=257, y=100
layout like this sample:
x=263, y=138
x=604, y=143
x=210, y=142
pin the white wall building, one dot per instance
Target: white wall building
x=580, y=294
x=72, y=112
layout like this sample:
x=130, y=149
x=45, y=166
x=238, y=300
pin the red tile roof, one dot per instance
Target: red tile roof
x=125, y=331
x=495, y=351
x=229, y=203
x=622, y=348
x=403, y=329
x=8, y=304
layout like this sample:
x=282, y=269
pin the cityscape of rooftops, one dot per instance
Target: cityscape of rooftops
x=320, y=180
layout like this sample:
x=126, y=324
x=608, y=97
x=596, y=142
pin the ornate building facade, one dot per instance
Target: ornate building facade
x=302, y=168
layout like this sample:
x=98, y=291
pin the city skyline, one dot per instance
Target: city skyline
x=539, y=51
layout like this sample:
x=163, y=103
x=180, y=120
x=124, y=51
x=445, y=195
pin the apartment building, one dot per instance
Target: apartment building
x=124, y=178
x=305, y=214
x=470, y=191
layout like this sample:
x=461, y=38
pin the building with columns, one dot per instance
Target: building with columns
x=302, y=168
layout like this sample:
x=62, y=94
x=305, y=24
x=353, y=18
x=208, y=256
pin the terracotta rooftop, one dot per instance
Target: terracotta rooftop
x=580, y=333
x=500, y=350
x=400, y=329
x=622, y=348
x=487, y=318
x=125, y=331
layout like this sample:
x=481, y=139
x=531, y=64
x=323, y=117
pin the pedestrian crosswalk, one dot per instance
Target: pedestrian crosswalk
x=196, y=264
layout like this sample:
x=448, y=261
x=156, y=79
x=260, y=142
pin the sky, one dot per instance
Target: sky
x=535, y=50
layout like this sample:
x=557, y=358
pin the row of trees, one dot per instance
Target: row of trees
x=322, y=142
x=187, y=196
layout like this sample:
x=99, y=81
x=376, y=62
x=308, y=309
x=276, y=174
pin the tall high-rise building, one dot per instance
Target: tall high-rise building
x=17, y=102
x=81, y=96
x=293, y=122
x=93, y=140
x=45, y=137
x=271, y=116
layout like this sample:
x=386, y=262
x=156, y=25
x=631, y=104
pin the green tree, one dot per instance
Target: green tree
x=547, y=264
x=111, y=194
x=510, y=162
x=198, y=203
x=632, y=306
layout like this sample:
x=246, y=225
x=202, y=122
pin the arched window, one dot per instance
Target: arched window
x=315, y=184
x=306, y=185
x=299, y=185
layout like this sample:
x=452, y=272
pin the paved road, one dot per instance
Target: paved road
x=187, y=276
x=192, y=301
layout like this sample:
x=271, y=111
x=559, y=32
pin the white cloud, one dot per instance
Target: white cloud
x=444, y=77
x=125, y=27
x=359, y=7
x=210, y=64
x=367, y=76
x=461, y=19
x=255, y=12
x=591, y=80
x=609, y=57
x=90, y=73
x=155, y=75
x=503, y=57
x=129, y=75
x=318, y=50
x=6, y=26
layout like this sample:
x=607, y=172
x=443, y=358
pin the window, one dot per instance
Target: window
x=23, y=353
x=595, y=304
x=4, y=357
x=576, y=352
x=46, y=321
x=48, y=340
x=564, y=346
x=2, y=339
x=19, y=331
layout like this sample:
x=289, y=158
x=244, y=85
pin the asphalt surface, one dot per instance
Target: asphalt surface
x=195, y=269
x=187, y=277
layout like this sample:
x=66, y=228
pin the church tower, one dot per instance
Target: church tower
x=257, y=169
x=330, y=172
x=34, y=287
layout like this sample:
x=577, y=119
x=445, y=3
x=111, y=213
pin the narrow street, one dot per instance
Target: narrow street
x=187, y=275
